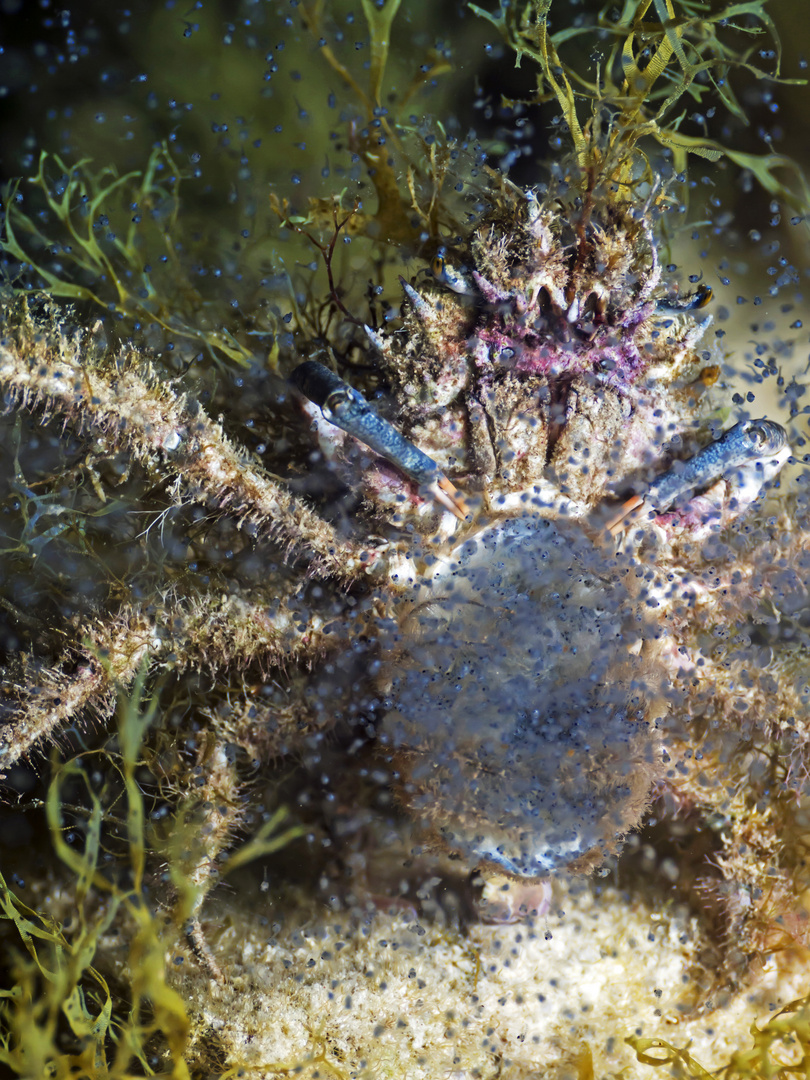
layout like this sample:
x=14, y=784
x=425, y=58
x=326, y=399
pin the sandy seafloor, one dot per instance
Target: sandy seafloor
x=387, y=995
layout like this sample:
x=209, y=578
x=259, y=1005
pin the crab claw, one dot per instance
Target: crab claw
x=747, y=456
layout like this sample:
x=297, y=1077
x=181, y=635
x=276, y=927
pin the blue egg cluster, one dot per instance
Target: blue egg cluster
x=520, y=722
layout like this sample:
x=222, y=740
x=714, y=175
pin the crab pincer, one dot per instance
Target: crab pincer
x=347, y=409
x=739, y=455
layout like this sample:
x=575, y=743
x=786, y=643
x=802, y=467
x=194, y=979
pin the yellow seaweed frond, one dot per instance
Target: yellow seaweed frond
x=683, y=1064
x=378, y=136
x=780, y=1047
x=650, y=67
x=57, y=981
x=93, y=247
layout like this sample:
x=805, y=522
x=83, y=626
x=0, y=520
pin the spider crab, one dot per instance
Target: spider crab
x=534, y=668
x=531, y=672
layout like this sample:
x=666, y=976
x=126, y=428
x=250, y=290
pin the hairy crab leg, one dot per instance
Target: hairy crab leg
x=347, y=409
x=748, y=443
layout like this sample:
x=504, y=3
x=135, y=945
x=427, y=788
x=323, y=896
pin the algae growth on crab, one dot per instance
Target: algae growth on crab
x=404, y=604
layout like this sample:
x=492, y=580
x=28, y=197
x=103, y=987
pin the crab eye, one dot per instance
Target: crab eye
x=701, y=298
x=438, y=267
x=454, y=279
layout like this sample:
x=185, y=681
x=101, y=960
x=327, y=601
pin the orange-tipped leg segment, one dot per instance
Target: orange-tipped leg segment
x=448, y=496
x=617, y=523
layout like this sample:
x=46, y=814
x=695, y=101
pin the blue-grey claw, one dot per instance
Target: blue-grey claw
x=347, y=409
x=751, y=442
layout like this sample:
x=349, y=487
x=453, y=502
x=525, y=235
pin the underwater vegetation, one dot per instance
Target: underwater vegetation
x=403, y=595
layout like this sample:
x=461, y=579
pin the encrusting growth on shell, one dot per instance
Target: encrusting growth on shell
x=547, y=364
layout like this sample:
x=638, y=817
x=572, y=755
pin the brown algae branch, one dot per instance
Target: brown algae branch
x=210, y=631
x=122, y=408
